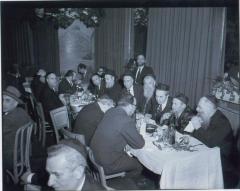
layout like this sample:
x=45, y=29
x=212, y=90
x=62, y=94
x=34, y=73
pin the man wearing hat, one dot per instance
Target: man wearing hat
x=13, y=118
x=131, y=88
x=96, y=86
x=213, y=129
x=180, y=115
x=112, y=87
x=164, y=102
x=142, y=70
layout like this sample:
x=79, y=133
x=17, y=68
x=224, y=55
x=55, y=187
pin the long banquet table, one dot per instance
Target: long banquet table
x=199, y=169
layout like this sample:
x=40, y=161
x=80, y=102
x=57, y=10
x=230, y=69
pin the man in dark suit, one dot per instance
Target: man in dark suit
x=90, y=116
x=96, y=86
x=180, y=115
x=112, y=87
x=67, y=86
x=133, y=89
x=49, y=96
x=116, y=130
x=142, y=70
x=163, y=100
x=212, y=128
x=38, y=83
x=149, y=100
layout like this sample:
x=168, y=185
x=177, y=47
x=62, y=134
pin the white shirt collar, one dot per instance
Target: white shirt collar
x=164, y=104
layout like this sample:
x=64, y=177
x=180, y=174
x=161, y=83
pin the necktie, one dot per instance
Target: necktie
x=137, y=74
x=159, y=108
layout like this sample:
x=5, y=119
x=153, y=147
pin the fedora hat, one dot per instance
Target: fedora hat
x=13, y=93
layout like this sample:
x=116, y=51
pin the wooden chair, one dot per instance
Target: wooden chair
x=43, y=124
x=98, y=174
x=21, y=153
x=60, y=120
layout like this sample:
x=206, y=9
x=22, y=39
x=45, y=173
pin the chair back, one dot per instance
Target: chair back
x=60, y=119
x=40, y=113
x=97, y=171
x=21, y=153
x=69, y=135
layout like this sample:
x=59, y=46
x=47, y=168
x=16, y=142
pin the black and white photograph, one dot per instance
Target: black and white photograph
x=120, y=95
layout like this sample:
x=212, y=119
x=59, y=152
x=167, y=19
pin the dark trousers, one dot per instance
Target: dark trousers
x=127, y=164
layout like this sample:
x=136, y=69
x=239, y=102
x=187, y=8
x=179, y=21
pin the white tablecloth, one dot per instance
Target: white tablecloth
x=200, y=169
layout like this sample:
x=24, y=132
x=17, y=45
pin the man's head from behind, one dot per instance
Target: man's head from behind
x=105, y=103
x=51, y=79
x=207, y=106
x=128, y=103
x=66, y=166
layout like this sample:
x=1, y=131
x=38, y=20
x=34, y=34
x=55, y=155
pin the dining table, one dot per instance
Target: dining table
x=193, y=166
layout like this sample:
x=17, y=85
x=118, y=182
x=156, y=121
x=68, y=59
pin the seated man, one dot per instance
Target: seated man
x=142, y=70
x=149, y=102
x=180, y=115
x=164, y=102
x=96, y=86
x=90, y=116
x=133, y=89
x=38, y=83
x=116, y=130
x=67, y=86
x=49, y=96
x=112, y=87
x=212, y=128
x=67, y=168
x=13, y=118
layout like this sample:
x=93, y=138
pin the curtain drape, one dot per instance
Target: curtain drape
x=17, y=45
x=185, y=48
x=112, y=39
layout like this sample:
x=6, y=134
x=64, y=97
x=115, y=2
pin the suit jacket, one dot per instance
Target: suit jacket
x=66, y=88
x=85, y=78
x=11, y=122
x=50, y=101
x=218, y=133
x=87, y=121
x=147, y=106
x=181, y=122
x=158, y=115
x=114, y=92
x=114, y=132
x=37, y=87
x=146, y=70
x=138, y=94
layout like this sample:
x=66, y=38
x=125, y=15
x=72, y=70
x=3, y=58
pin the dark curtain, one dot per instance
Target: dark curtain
x=45, y=44
x=184, y=47
x=17, y=46
x=112, y=39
